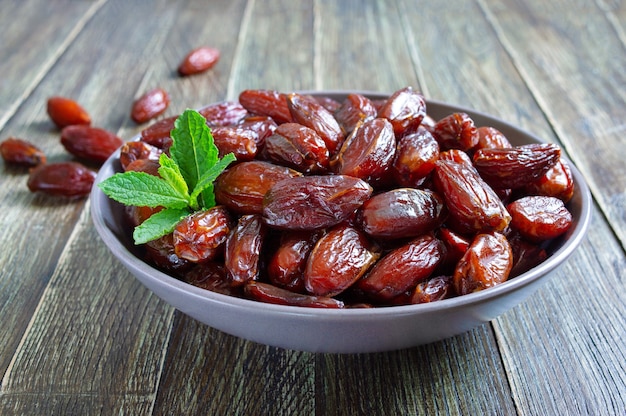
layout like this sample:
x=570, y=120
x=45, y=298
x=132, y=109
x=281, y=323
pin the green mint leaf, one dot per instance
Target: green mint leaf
x=192, y=149
x=158, y=225
x=170, y=171
x=205, y=183
x=142, y=189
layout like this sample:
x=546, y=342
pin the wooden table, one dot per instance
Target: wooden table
x=81, y=336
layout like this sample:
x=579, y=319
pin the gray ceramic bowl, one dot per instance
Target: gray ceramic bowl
x=343, y=330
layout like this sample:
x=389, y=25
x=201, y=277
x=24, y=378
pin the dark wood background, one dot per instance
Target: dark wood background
x=80, y=336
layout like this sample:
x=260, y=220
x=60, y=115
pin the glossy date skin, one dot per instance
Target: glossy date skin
x=313, y=202
x=338, y=260
x=399, y=212
x=486, y=263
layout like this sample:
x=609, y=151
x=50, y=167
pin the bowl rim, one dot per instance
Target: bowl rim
x=97, y=197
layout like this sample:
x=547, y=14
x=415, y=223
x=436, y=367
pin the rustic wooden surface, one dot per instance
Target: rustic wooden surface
x=81, y=336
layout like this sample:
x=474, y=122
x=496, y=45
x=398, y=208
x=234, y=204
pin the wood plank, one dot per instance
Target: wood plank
x=275, y=48
x=35, y=44
x=362, y=46
x=112, y=329
x=216, y=374
x=457, y=376
x=578, y=82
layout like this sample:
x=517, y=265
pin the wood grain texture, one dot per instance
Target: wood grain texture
x=81, y=336
x=35, y=43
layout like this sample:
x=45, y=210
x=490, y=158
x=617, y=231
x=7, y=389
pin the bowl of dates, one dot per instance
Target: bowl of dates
x=352, y=222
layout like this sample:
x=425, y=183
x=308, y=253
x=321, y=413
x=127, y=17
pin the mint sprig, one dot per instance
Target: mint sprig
x=184, y=184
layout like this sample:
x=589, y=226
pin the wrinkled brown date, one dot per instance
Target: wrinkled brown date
x=90, y=143
x=517, y=166
x=21, y=152
x=431, y=290
x=242, y=253
x=132, y=151
x=69, y=179
x=223, y=114
x=405, y=109
x=402, y=269
x=312, y=114
x=264, y=292
x=539, y=218
x=353, y=110
x=266, y=103
x=472, y=204
x=486, y=263
x=368, y=152
x=557, y=182
x=199, y=236
x=236, y=140
x=401, y=213
x=338, y=260
x=287, y=264
x=456, y=131
x=298, y=147
x=313, y=202
x=242, y=187
x=416, y=155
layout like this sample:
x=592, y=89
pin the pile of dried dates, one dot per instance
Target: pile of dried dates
x=358, y=203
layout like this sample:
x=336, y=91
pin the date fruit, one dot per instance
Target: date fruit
x=472, y=204
x=287, y=264
x=355, y=109
x=539, y=218
x=405, y=109
x=368, y=152
x=242, y=187
x=69, y=179
x=150, y=105
x=515, y=167
x=486, y=263
x=66, y=112
x=90, y=143
x=199, y=236
x=401, y=213
x=199, y=60
x=312, y=114
x=265, y=292
x=416, y=155
x=313, y=202
x=402, y=269
x=339, y=259
x=456, y=131
x=21, y=152
x=298, y=147
x=242, y=253
x=266, y=103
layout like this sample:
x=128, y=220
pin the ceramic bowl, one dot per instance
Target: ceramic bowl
x=343, y=330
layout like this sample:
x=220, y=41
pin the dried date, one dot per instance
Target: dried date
x=539, y=218
x=472, y=204
x=199, y=60
x=401, y=213
x=312, y=114
x=150, y=105
x=21, y=152
x=199, y=236
x=355, y=109
x=264, y=292
x=402, y=269
x=313, y=202
x=405, y=109
x=515, y=167
x=416, y=155
x=269, y=103
x=486, y=263
x=66, y=112
x=339, y=259
x=69, y=179
x=242, y=254
x=90, y=143
x=456, y=131
x=368, y=152
x=243, y=187
x=298, y=147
